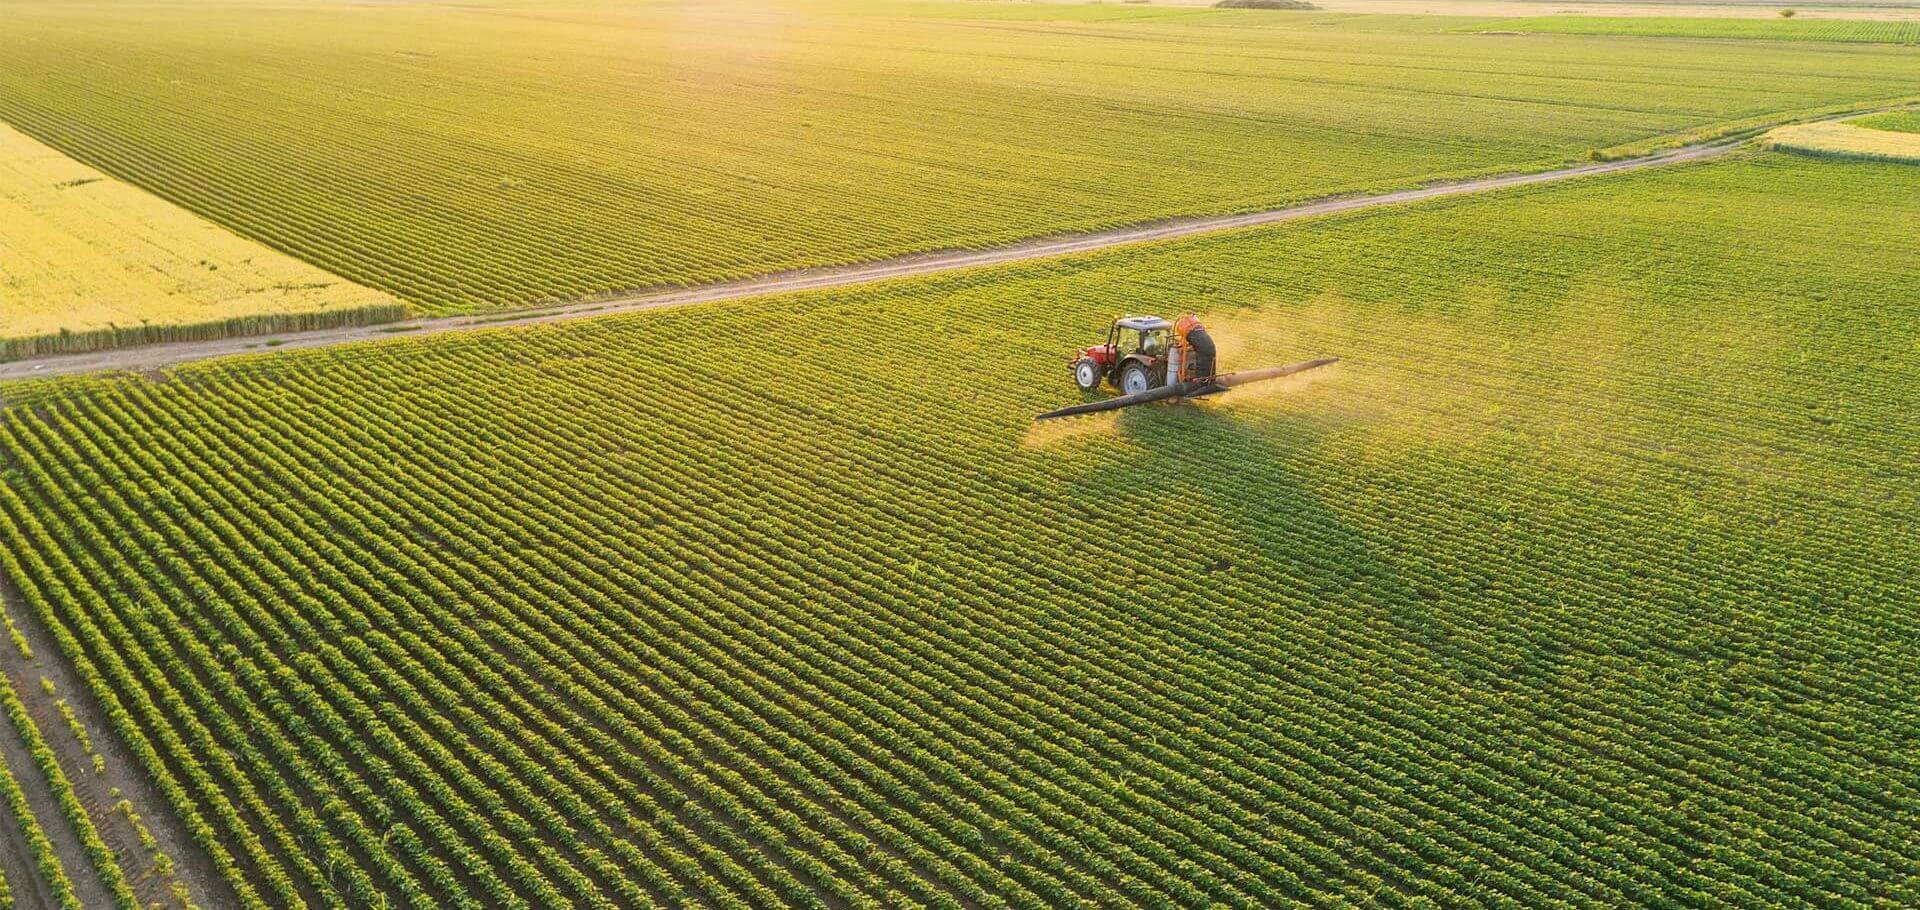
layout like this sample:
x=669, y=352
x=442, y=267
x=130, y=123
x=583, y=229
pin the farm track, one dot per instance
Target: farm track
x=160, y=356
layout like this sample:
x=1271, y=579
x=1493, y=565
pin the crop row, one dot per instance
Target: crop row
x=1894, y=31
x=46, y=861
x=52, y=875
x=414, y=150
x=1548, y=597
x=105, y=864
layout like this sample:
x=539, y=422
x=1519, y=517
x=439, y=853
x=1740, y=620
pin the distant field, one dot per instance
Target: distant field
x=1586, y=580
x=480, y=156
x=1777, y=29
x=87, y=262
x=1687, y=9
x=1844, y=139
x=1899, y=122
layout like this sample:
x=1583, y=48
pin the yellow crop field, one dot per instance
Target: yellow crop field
x=87, y=261
x=1842, y=139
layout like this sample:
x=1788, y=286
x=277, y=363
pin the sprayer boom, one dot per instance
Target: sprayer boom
x=1195, y=388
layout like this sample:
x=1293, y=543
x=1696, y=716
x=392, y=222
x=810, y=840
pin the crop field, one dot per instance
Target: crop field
x=1841, y=30
x=46, y=865
x=47, y=868
x=1898, y=122
x=471, y=157
x=1585, y=580
x=1847, y=139
x=88, y=262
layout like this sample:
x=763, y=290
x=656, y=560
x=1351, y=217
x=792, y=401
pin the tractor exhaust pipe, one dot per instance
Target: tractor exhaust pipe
x=1194, y=389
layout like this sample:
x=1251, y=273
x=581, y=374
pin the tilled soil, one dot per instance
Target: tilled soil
x=96, y=789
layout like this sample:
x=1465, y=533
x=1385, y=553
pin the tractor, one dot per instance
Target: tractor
x=1146, y=352
x=1149, y=359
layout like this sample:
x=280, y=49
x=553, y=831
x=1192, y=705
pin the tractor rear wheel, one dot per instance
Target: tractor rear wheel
x=1086, y=374
x=1135, y=379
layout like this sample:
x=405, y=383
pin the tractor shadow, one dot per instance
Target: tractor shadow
x=1250, y=542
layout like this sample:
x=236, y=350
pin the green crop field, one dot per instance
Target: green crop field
x=1897, y=122
x=1585, y=580
x=476, y=156
x=47, y=866
x=1904, y=31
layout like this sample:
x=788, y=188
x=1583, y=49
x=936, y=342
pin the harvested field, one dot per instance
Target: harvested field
x=1845, y=139
x=88, y=262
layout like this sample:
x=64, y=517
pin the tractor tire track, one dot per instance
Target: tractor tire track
x=159, y=356
x=121, y=777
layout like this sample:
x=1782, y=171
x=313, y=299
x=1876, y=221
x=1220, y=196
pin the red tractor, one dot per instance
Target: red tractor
x=1150, y=359
x=1146, y=352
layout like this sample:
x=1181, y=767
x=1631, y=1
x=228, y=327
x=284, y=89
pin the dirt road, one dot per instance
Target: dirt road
x=153, y=357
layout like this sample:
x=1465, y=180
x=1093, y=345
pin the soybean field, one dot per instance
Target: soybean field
x=1583, y=581
x=582, y=453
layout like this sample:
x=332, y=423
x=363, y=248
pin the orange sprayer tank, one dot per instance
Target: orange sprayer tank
x=1194, y=350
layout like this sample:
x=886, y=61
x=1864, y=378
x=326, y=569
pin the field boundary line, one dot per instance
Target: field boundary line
x=160, y=356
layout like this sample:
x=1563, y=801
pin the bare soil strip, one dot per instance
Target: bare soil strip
x=120, y=771
x=153, y=357
x=30, y=891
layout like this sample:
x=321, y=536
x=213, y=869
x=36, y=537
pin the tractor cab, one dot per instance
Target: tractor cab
x=1133, y=360
x=1145, y=335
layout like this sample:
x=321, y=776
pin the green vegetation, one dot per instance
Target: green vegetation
x=471, y=156
x=98, y=853
x=91, y=262
x=46, y=861
x=1896, y=121
x=46, y=858
x=1871, y=31
x=1266, y=4
x=1585, y=580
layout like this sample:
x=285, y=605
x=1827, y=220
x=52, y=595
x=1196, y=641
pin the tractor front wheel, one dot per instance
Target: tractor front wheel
x=1135, y=379
x=1086, y=374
